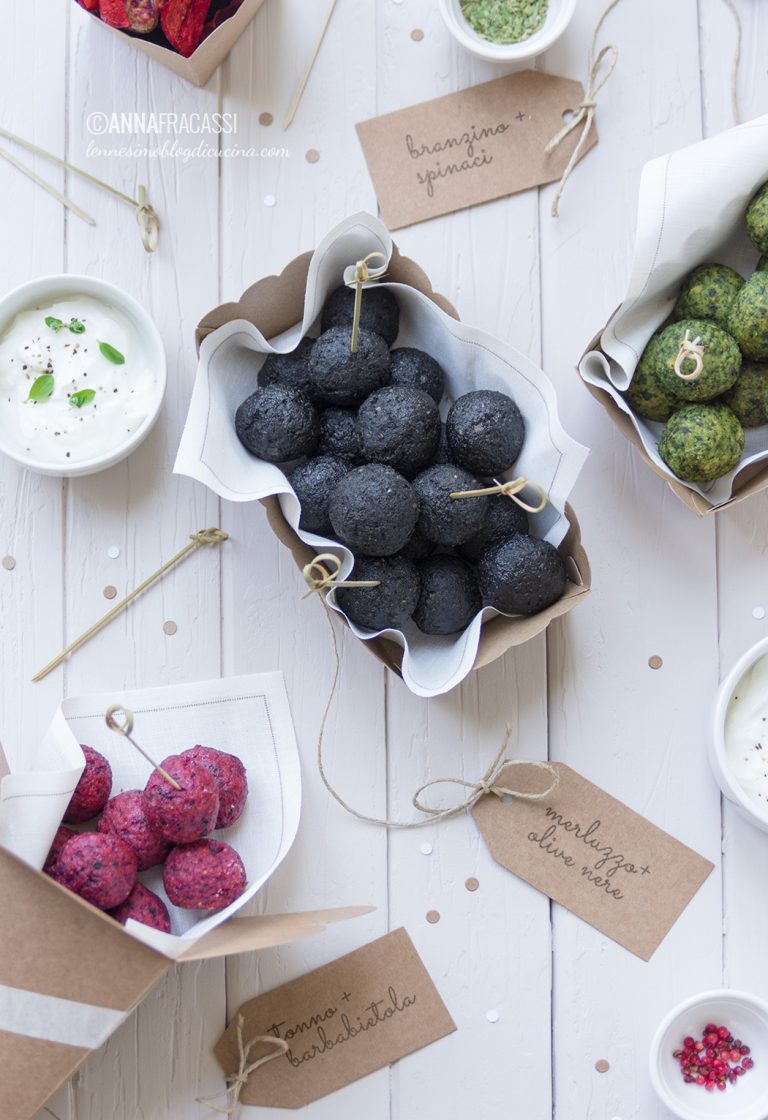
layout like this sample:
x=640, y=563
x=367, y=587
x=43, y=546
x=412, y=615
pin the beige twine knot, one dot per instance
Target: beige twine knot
x=511, y=489
x=318, y=578
x=362, y=276
x=238, y=1080
x=690, y=350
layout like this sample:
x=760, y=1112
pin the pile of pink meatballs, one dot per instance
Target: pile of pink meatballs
x=160, y=824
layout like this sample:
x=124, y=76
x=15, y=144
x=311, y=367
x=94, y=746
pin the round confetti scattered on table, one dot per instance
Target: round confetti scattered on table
x=9, y=563
x=265, y=119
x=269, y=200
x=602, y=1066
x=433, y=917
x=492, y=1016
x=169, y=627
x=312, y=155
x=113, y=552
x=655, y=662
x=472, y=884
x=758, y=613
x=110, y=592
x=426, y=848
x=417, y=34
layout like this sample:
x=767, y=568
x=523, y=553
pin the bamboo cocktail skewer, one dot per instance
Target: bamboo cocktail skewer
x=308, y=69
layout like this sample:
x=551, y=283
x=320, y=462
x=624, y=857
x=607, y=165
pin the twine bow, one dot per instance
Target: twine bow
x=236, y=1081
x=318, y=578
x=691, y=349
x=362, y=275
x=511, y=489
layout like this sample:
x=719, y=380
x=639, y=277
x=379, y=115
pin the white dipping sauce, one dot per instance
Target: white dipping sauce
x=54, y=430
x=746, y=733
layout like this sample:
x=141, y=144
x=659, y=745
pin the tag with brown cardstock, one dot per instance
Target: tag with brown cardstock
x=344, y=1020
x=593, y=855
x=481, y=143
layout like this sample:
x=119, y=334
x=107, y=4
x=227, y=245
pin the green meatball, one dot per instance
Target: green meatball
x=762, y=264
x=646, y=396
x=702, y=442
x=748, y=399
x=748, y=318
x=708, y=293
x=722, y=360
x=757, y=219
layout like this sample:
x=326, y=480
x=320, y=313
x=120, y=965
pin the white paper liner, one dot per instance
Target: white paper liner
x=690, y=212
x=231, y=356
x=245, y=716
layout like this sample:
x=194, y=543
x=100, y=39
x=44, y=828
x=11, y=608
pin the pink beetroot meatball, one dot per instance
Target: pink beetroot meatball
x=144, y=906
x=182, y=815
x=99, y=867
x=125, y=816
x=231, y=781
x=204, y=876
x=62, y=835
x=92, y=791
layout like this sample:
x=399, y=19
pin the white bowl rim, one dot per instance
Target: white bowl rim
x=701, y=999
x=528, y=48
x=48, y=284
x=723, y=699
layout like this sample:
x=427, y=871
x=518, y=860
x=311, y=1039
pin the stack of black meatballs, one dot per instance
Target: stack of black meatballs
x=379, y=467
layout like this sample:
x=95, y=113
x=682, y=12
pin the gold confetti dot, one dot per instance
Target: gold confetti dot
x=472, y=884
x=433, y=917
x=417, y=34
x=169, y=627
x=266, y=119
x=110, y=592
x=602, y=1066
x=9, y=563
x=312, y=155
x=655, y=662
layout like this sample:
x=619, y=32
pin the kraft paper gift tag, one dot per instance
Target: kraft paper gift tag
x=470, y=147
x=344, y=1020
x=593, y=855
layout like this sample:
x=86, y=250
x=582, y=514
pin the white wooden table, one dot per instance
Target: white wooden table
x=665, y=583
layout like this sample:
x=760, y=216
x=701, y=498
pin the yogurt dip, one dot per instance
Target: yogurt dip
x=746, y=734
x=74, y=380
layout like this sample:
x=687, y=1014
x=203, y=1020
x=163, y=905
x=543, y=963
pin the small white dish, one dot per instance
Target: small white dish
x=46, y=291
x=717, y=752
x=743, y=1014
x=559, y=15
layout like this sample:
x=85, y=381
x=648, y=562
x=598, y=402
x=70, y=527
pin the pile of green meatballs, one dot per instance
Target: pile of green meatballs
x=374, y=467
x=704, y=419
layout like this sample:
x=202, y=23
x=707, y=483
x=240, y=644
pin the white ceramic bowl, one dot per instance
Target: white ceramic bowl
x=747, y=1017
x=717, y=756
x=559, y=15
x=50, y=288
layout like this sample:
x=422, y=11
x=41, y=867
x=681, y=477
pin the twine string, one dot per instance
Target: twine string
x=362, y=275
x=237, y=1081
x=511, y=489
x=691, y=350
x=318, y=578
x=124, y=727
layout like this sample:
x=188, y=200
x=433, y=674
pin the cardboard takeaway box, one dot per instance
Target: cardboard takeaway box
x=200, y=65
x=274, y=305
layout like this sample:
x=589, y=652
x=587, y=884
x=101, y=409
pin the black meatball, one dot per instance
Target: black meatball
x=339, y=434
x=449, y=597
x=289, y=369
x=485, y=431
x=378, y=311
x=313, y=483
x=412, y=367
x=503, y=518
x=399, y=426
x=418, y=548
x=342, y=377
x=388, y=606
x=374, y=510
x=277, y=423
x=443, y=519
x=521, y=575
x=443, y=453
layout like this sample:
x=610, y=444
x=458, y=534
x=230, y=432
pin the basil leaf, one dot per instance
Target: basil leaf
x=42, y=387
x=54, y=323
x=111, y=354
x=76, y=326
x=83, y=396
